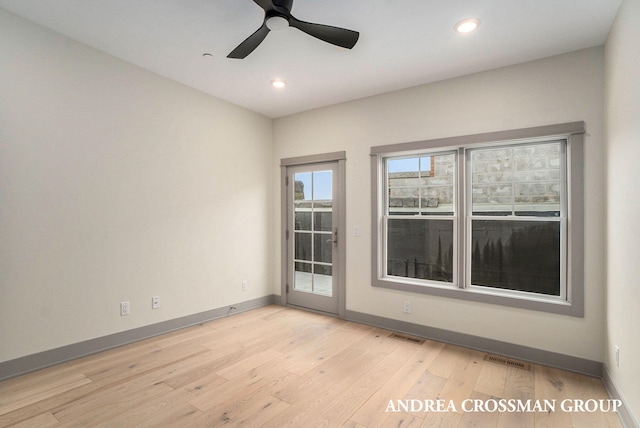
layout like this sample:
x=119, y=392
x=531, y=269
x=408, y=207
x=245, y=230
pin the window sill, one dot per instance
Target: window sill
x=555, y=306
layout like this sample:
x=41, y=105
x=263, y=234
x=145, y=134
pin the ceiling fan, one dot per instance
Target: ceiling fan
x=277, y=15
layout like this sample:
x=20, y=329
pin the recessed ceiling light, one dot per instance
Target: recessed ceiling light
x=467, y=25
x=278, y=83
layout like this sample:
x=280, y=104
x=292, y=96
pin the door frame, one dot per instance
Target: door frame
x=341, y=199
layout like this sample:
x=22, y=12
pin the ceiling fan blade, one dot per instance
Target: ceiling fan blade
x=250, y=43
x=264, y=4
x=334, y=35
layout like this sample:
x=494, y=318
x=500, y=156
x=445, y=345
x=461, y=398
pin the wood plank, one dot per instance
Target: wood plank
x=549, y=385
x=204, y=365
x=249, y=363
x=352, y=362
x=17, y=399
x=188, y=370
x=446, y=361
x=352, y=424
x=311, y=396
x=96, y=408
x=43, y=420
x=479, y=419
x=442, y=420
x=342, y=407
x=143, y=362
x=516, y=419
x=256, y=412
x=428, y=387
x=47, y=405
x=401, y=420
x=243, y=388
x=157, y=408
x=204, y=384
x=373, y=412
x=305, y=358
x=519, y=384
x=183, y=415
x=463, y=378
x=35, y=379
x=492, y=379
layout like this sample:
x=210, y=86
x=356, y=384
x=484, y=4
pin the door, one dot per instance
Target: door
x=313, y=235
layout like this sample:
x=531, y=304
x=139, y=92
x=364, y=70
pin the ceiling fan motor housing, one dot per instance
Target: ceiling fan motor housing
x=276, y=22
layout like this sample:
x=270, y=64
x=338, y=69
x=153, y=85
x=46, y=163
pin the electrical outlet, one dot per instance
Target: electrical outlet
x=617, y=355
x=125, y=309
x=407, y=307
x=155, y=302
x=244, y=285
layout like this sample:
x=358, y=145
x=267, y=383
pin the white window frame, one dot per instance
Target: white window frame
x=571, y=299
x=386, y=216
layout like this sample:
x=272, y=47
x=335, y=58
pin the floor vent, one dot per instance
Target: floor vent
x=507, y=362
x=407, y=338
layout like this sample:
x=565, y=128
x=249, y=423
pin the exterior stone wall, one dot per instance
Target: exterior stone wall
x=410, y=191
x=508, y=179
x=524, y=178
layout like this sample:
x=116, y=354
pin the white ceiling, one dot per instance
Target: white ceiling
x=402, y=43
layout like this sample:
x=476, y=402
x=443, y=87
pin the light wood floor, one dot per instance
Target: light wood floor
x=279, y=367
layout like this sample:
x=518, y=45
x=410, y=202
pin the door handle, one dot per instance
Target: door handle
x=335, y=236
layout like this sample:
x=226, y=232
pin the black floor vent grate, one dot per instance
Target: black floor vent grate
x=507, y=362
x=407, y=338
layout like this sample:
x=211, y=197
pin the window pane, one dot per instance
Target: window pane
x=302, y=186
x=303, y=220
x=404, y=200
x=420, y=248
x=406, y=168
x=322, y=221
x=516, y=255
x=437, y=189
x=303, y=279
x=303, y=246
x=421, y=185
x=322, y=269
x=303, y=267
x=425, y=166
x=520, y=180
x=322, y=280
x=322, y=185
x=323, y=245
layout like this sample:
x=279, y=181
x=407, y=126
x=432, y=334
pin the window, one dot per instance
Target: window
x=419, y=221
x=517, y=217
x=491, y=217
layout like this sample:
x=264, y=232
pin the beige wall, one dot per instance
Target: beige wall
x=554, y=90
x=623, y=202
x=117, y=184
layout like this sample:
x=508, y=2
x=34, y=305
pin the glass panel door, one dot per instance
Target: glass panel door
x=313, y=244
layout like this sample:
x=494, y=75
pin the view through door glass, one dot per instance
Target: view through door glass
x=313, y=232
